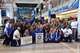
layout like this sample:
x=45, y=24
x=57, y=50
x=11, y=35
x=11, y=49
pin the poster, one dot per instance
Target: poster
x=26, y=40
x=39, y=37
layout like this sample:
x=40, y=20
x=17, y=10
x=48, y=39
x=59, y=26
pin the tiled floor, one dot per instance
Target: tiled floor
x=43, y=48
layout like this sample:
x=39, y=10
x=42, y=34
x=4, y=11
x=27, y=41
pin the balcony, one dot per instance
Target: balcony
x=26, y=1
x=55, y=3
x=45, y=9
x=37, y=14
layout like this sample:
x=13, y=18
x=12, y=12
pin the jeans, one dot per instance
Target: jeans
x=74, y=34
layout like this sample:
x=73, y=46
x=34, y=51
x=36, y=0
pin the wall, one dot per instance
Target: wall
x=73, y=15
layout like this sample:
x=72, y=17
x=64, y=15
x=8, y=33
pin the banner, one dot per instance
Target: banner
x=71, y=4
x=39, y=37
x=26, y=40
x=3, y=13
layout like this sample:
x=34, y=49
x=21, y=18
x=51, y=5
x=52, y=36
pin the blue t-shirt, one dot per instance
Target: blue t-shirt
x=32, y=33
x=31, y=21
x=26, y=21
x=8, y=30
x=39, y=31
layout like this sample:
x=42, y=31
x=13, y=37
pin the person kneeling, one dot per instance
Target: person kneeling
x=16, y=38
x=47, y=37
x=57, y=36
x=52, y=31
x=67, y=34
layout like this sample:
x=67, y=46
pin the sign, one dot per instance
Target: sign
x=66, y=6
x=26, y=40
x=60, y=8
x=75, y=4
x=39, y=37
x=3, y=13
x=49, y=13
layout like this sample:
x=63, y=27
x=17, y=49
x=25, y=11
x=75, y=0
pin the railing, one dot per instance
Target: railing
x=37, y=14
x=45, y=9
x=55, y=3
x=63, y=1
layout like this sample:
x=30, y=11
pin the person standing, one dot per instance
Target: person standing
x=74, y=26
x=29, y=20
x=32, y=33
x=7, y=33
x=23, y=28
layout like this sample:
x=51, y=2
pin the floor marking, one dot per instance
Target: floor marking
x=70, y=48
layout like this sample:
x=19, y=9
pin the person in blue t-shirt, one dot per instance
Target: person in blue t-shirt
x=7, y=33
x=57, y=36
x=39, y=29
x=52, y=31
x=47, y=36
x=29, y=20
x=32, y=33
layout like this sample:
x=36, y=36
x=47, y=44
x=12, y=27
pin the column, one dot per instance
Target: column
x=49, y=12
x=0, y=19
x=10, y=10
x=79, y=21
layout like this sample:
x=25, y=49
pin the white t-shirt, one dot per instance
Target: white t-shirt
x=62, y=29
x=16, y=33
x=67, y=32
x=7, y=24
x=74, y=24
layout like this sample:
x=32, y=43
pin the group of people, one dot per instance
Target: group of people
x=55, y=30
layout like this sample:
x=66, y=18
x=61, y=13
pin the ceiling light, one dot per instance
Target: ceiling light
x=39, y=10
x=44, y=6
